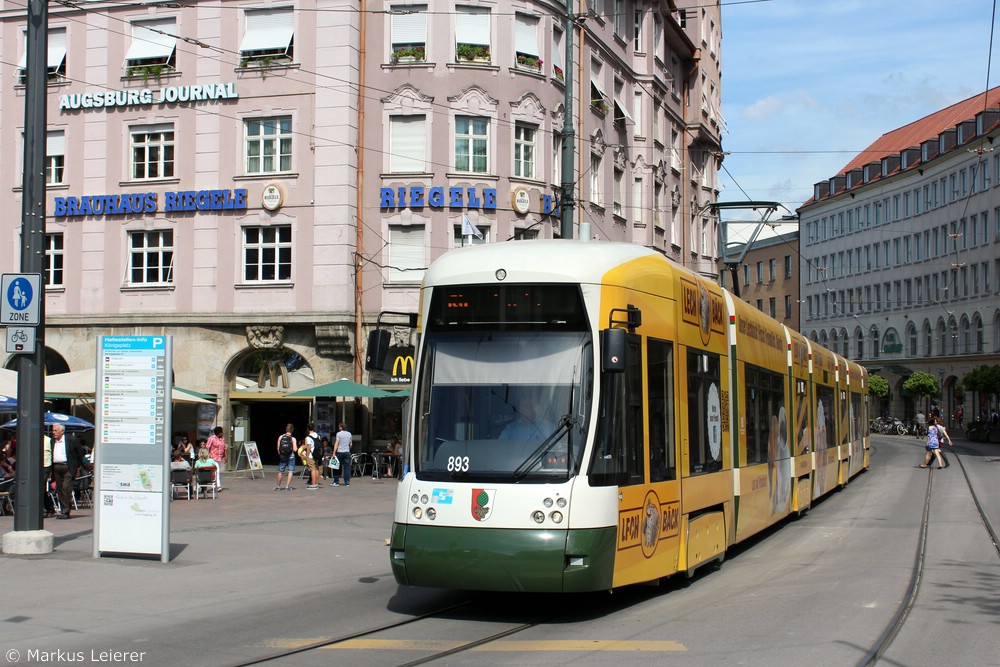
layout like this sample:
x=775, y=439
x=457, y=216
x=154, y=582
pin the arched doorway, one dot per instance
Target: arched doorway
x=258, y=390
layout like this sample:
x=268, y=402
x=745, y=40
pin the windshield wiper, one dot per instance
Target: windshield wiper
x=565, y=422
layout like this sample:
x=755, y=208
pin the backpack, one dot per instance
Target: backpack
x=285, y=446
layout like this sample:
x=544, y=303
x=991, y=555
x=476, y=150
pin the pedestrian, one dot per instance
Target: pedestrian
x=959, y=415
x=50, y=507
x=921, y=424
x=935, y=434
x=186, y=449
x=67, y=457
x=324, y=460
x=310, y=451
x=217, y=450
x=342, y=450
x=286, y=457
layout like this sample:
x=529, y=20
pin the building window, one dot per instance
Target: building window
x=746, y=274
x=526, y=52
x=408, y=33
x=621, y=111
x=617, y=208
x=772, y=270
x=267, y=254
x=788, y=307
x=637, y=31
x=470, y=234
x=596, y=196
x=772, y=307
x=268, y=145
x=557, y=55
x=637, y=207
x=152, y=51
x=55, y=157
x=598, y=98
x=619, y=17
x=151, y=258
x=406, y=253
x=407, y=144
x=472, y=144
x=53, y=260
x=472, y=34
x=55, y=60
x=269, y=38
x=152, y=152
x=760, y=272
x=788, y=266
x=557, y=157
x=524, y=151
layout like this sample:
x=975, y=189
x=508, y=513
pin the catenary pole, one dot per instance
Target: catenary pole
x=568, y=203
x=30, y=390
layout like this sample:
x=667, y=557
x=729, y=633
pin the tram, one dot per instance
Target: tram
x=590, y=415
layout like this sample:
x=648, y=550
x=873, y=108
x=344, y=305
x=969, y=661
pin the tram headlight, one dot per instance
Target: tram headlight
x=414, y=499
x=538, y=516
x=418, y=513
x=431, y=513
x=424, y=499
x=561, y=502
x=547, y=502
x=556, y=516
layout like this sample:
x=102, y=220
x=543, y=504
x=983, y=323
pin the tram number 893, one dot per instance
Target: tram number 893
x=458, y=464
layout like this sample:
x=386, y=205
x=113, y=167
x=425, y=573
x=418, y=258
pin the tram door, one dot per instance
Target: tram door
x=647, y=473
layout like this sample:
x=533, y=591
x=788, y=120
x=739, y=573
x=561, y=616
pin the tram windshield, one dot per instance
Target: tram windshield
x=503, y=406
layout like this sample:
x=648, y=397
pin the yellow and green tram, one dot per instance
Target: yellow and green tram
x=590, y=415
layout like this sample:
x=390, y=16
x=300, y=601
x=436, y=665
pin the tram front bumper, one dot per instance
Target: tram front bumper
x=500, y=559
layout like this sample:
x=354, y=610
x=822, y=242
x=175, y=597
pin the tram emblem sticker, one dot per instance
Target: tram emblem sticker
x=442, y=496
x=482, y=503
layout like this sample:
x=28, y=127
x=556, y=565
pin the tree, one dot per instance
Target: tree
x=985, y=380
x=922, y=384
x=878, y=386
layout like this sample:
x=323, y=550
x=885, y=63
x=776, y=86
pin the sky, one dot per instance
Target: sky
x=809, y=84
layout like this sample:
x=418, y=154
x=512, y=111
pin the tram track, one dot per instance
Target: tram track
x=360, y=635
x=898, y=620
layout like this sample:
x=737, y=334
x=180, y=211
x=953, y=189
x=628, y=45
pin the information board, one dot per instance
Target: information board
x=132, y=480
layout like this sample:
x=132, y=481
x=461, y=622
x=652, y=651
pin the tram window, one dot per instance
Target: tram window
x=825, y=426
x=765, y=415
x=516, y=307
x=618, y=450
x=660, y=371
x=802, y=428
x=704, y=412
x=844, y=426
x=856, y=421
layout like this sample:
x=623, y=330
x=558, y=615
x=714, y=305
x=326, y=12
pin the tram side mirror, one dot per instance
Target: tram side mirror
x=613, y=350
x=378, y=350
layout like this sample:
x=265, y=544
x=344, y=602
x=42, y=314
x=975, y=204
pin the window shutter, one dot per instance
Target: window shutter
x=526, y=35
x=410, y=28
x=268, y=30
x=407, y=144
x=147, y=44
x=472, y=26
x=55, y=144
x=557, y=49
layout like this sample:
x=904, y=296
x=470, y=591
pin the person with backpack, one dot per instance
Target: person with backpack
x=286, y=458
x=310, y=451
x=936, y=435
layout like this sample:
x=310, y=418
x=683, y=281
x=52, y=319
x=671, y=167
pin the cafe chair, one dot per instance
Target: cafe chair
x=180, y=480
x=360, y=463
x=206, y=481
x=81, y=491
x=7, y=496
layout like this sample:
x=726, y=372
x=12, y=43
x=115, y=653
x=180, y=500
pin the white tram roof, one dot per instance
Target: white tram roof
x=533, y=261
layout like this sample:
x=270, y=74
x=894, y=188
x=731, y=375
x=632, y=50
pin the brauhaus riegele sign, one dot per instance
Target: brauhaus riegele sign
x=150, y=202
x=147, y=96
